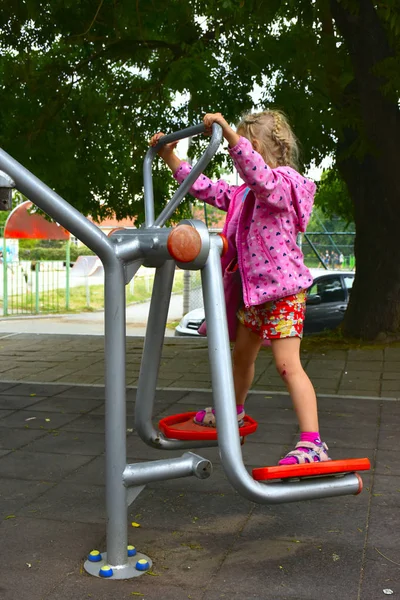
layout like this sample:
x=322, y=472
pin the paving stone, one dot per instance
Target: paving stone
x=288, y=570
x=386, y=490
x=379, y=574
x=372, y=366
x=39, y=467
x=353, y=404
x=39, y=554
x=359, y=388
x=67, y=405
x=83, y=391
x=366, y=355
x=18, y=493
x=192, y=511
x=69, y=442
x=5, y=413
x=387, y=462
x=383, y=522
x=12, y=439
x=88, y=423
x=391, y=386
x=7, y=386
x=44, y=390
x=74, y=587
x=68, y=501
x=388, y=437
x=17, y=402
x=353, y=437
x=32, y=419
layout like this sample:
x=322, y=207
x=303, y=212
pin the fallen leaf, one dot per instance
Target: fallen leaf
x=134, y=524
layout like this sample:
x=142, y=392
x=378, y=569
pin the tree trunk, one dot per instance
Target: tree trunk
x=368, y=159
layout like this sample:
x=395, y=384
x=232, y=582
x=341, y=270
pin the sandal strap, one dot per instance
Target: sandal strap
x=312, y=446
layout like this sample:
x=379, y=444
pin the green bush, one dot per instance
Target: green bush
x=41, y=253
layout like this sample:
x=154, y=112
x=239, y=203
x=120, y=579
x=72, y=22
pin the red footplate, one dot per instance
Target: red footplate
x=329, y=467
x=182, y=427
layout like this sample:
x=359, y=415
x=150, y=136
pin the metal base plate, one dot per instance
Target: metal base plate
x=126, y=571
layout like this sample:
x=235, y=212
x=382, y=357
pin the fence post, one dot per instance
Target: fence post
x=37, y=306
x=186, y=291
x=67, y=263
x=5, y=279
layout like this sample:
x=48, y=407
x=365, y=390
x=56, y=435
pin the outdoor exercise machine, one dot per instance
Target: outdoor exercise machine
x=190, y=246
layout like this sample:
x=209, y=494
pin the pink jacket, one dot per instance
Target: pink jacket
x=262, y=229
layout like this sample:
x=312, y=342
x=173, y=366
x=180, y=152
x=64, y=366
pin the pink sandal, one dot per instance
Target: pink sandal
x=308, y=452
x=206, y=417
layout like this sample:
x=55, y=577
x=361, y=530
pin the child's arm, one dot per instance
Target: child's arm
x=252, y=168
x=217, y=193
x=167, y=152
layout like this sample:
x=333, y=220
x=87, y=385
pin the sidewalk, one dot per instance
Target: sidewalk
x=90, y=323
x=206, y=542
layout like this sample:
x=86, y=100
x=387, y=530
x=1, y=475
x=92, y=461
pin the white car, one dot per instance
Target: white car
x=326, y=304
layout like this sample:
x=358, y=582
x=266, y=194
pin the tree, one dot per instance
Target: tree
x=85, y=84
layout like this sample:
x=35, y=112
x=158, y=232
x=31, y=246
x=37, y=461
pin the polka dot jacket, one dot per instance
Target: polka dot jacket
x=264, y=216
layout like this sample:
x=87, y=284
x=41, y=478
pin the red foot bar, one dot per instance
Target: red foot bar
x=182, y=427
x=329, y=467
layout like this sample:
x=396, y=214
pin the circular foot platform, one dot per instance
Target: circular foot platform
x=135, y=566
x=182, y=427
x=329, y=467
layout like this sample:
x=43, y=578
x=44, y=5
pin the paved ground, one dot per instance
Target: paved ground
x=207, y=542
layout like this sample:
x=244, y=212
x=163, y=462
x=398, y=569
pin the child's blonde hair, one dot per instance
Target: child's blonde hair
x=279, y=145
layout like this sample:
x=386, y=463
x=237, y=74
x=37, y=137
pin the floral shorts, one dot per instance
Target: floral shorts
x=277, y=319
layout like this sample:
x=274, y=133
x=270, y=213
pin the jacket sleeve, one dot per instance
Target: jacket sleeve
x=257, y=175
x=217, y=193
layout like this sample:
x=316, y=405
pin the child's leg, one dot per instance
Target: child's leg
x=286, y=352
x=244, y=355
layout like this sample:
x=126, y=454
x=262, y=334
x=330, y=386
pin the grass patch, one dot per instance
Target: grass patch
x=82, y=299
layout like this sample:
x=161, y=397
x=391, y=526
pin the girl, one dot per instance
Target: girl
x=263, y=262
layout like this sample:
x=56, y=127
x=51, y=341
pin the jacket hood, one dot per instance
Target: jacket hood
x=303, y=192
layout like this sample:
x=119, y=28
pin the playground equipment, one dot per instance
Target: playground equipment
x=191, y=247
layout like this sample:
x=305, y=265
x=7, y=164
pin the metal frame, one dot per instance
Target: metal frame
x=122, y=254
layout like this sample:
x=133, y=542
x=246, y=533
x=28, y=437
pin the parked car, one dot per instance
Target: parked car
x=326, y=304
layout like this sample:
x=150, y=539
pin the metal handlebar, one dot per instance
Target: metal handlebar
x=165, y=214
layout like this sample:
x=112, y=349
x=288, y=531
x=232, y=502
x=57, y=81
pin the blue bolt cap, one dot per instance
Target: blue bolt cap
x=94, y=556
x=131, y=550
x=106, y=571
x=142, y=565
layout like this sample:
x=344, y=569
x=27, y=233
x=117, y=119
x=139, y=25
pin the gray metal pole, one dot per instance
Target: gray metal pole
x=55, y=206
x=115, y=419
x=171, y=468
x=224, y=403
x=190, y=179
x=150, y=364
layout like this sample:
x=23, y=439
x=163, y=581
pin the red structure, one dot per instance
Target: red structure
x=25, y=223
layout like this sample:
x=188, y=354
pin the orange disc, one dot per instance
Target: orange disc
x=184, y=243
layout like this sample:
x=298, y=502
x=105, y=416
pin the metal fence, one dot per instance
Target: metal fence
x=32, y=287
x=332, y=250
